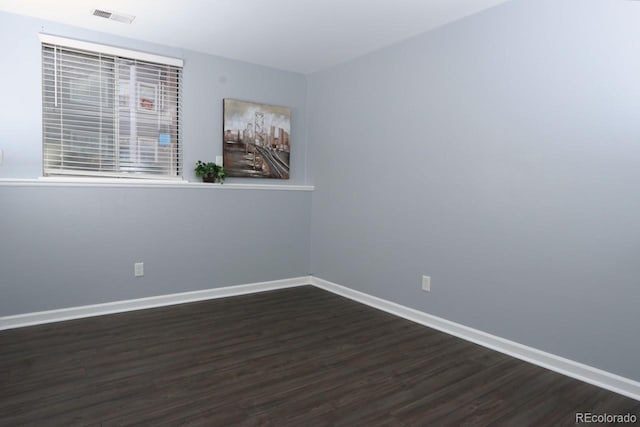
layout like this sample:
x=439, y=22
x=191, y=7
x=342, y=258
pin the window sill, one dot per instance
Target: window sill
x=141, y=183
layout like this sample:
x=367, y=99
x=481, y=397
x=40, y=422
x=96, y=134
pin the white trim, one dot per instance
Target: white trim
x=570, y=368
x=37, y=318
x=144, y=183
x=109, y=50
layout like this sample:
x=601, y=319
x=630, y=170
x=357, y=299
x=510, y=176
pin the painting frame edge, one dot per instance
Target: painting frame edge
x=272, y=151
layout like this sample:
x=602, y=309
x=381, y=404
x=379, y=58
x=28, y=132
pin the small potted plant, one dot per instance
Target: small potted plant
x=210, y=172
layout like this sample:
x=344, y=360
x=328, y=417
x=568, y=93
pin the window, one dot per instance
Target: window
x=110, y=112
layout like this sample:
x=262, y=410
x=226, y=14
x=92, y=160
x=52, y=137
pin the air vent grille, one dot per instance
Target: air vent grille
x=102, y=13
x=119, y=17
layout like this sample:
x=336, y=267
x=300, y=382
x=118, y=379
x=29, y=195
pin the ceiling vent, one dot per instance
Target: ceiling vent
x=120, y=17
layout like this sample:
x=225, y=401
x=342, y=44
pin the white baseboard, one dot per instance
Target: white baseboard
x=582, y=372
x=570, y=368
x=37, y=318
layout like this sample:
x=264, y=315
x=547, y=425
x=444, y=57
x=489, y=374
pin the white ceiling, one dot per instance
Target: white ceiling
x=295, y=35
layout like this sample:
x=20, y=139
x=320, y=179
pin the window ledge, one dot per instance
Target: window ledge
x=141, y=183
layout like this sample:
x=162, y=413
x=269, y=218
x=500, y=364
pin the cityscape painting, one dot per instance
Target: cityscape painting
x=256, y=140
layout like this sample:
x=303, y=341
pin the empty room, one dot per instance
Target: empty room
x=320, y=213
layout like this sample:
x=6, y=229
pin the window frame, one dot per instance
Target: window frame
x=125, y=54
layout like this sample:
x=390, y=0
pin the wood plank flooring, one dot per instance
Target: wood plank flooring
x=294, y=357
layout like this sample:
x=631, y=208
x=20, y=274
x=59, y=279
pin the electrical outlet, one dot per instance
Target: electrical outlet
x=138, y=269
x=426, y=283
x=219, y=160
x=1, y=157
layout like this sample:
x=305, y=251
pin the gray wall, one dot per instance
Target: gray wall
x=63, y=247
x=66, y=247
x=499, y=155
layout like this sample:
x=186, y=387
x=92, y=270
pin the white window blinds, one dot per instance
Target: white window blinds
x=110, y=115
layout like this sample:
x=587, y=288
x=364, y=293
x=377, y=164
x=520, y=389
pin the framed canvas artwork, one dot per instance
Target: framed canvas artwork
x=256, y=140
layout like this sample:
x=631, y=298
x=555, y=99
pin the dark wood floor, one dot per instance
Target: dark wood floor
x=301, y=357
